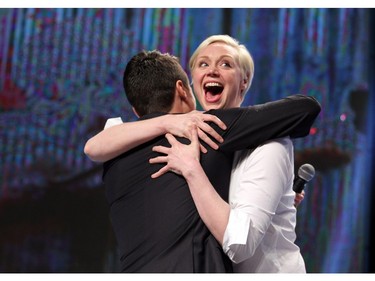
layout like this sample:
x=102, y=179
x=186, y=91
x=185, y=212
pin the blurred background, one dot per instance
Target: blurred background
x=61, y=78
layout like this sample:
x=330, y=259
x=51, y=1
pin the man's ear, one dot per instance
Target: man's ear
x=181, y=90
x=135, y=112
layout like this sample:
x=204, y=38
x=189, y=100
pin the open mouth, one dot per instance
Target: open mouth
x=213, y=91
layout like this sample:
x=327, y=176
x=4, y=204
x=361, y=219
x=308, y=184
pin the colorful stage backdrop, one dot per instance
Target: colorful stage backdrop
x=61, y=77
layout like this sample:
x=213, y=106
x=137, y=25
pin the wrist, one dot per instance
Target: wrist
x=164, y=123
x=192, y=168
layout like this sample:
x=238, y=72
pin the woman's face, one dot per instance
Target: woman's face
x=217, y=78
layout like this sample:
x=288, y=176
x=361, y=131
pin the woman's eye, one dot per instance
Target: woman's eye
x=202, y=64
x=226, y=64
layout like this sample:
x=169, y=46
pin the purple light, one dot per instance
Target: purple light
x=343, y=117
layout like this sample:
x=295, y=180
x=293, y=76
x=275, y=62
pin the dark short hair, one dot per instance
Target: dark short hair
x=150, y=80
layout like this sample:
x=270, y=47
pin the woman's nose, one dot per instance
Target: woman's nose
x=213, y=70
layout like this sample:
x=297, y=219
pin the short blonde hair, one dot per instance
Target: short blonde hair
x=245, y=59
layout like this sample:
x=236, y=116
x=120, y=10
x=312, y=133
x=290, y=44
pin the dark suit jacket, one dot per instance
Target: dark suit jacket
x=155, y=221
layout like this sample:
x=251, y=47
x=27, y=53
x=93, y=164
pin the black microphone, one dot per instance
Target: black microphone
x=305, y=173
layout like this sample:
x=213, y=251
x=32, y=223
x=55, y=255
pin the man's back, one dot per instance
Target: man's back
x=156, y=223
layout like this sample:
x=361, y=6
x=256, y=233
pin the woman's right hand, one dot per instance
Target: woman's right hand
x=179, y=158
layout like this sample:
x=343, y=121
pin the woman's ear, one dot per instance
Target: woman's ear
x=244, y=84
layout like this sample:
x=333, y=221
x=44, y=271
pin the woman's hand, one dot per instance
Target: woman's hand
x=179, y=158
x=181, y=125
x=299, y=198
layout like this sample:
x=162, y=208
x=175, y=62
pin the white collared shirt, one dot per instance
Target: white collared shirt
x=260, y=233
x=112, y=122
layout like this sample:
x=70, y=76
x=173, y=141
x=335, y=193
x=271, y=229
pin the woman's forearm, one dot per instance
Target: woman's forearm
x=118, y=139
x=212, y=209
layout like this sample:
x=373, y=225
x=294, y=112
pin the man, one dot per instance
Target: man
x=155, y=221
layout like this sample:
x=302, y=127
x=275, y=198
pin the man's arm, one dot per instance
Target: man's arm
x=250, y=126
x=122, y=137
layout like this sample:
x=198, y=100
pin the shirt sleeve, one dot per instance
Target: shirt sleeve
x=112, y=122
x=251, y=126
x=259, y=183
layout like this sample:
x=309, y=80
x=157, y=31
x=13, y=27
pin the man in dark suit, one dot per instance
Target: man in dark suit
x=156, y=224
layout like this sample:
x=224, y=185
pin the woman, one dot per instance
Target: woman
x=257, y=226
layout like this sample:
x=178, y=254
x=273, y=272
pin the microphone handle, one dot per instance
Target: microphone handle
x=299, y=185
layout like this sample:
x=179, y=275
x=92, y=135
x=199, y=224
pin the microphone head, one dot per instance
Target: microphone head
x=306, y=172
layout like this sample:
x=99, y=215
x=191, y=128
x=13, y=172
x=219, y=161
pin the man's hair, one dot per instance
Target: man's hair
x=150, y=81
x=245, y=59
